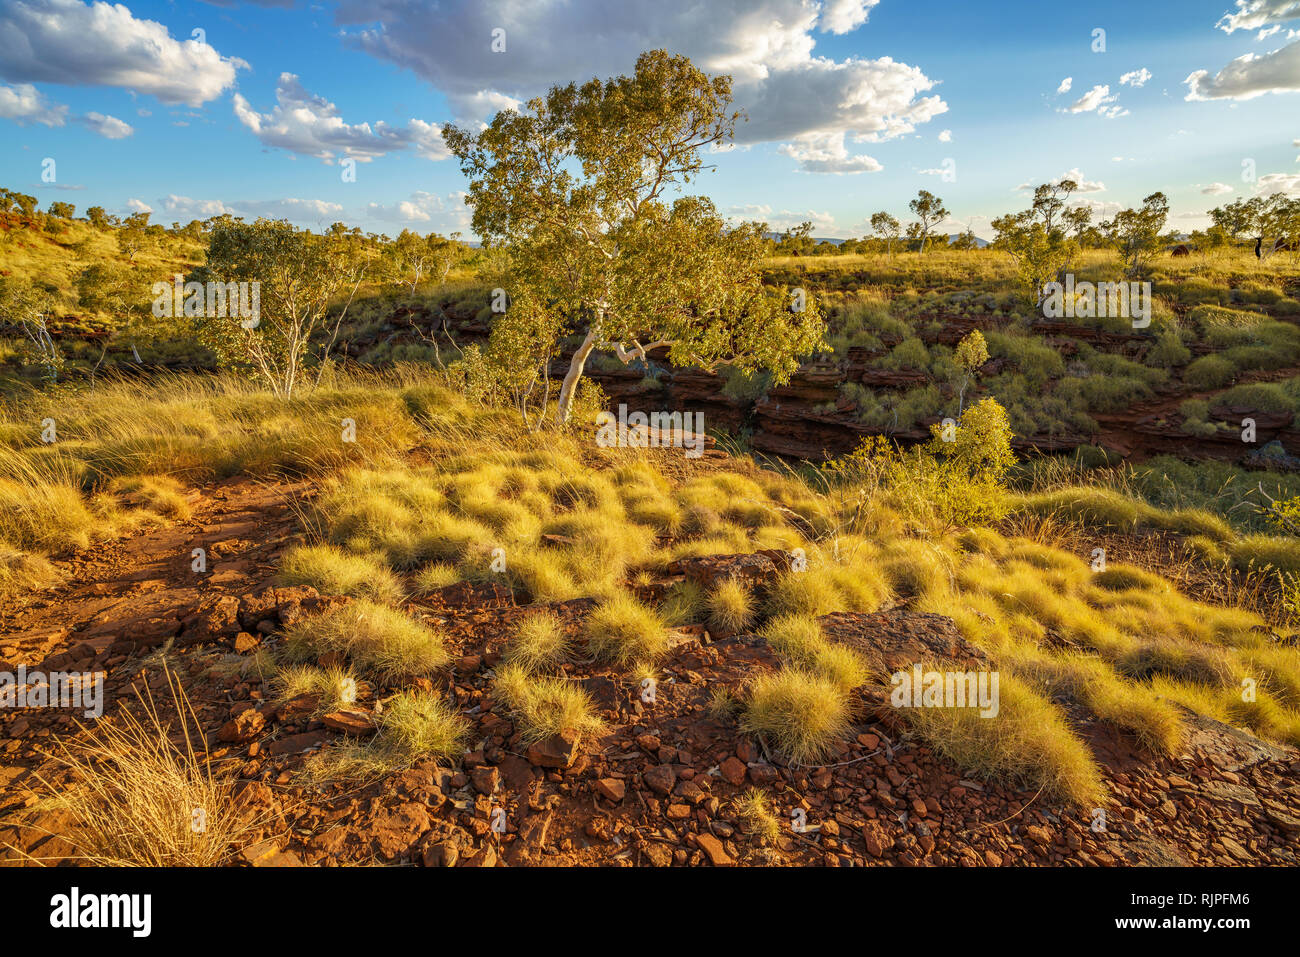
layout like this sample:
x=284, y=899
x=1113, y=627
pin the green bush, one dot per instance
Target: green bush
x=1209, y=372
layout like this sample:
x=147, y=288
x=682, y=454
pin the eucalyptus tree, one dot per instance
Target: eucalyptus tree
x=583, y=191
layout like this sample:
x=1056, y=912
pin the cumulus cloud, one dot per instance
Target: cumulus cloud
x=1216, y=189
x=109, y=127
x=311, y=211
x=945, y=136
x=425, y=211
x=101, y=44
x=138, y=206
x=826, y=153
x=1249, y=76
x=844, y=16
x=789, y=94
x=25, y=104
x=1065, y=85
x=1085, y=185
x=1098, y=96
x=780, y=220
x=312, y=126
x=1135, y=78
x=1252, y=14
x=1279, y=183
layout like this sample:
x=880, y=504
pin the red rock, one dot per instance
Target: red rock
x=713, y=848
x=350, y=721
x=660, y=778
x=612, y=789
x=485, y=780
x=396, y=830
x=243, y=727
x=557, y=751
x=1039, y=835
x=733, y=771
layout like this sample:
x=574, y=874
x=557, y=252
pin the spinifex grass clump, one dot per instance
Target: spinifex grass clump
x=380, y=641
x=731, y=607
x=800, y=712
x=543, y=706
x=143, y=792
x=333, y=571
x=539, y=644
x=623, y=630
x=412, y=726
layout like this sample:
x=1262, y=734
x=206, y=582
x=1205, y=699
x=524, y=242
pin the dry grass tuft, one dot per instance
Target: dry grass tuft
x=139, y=798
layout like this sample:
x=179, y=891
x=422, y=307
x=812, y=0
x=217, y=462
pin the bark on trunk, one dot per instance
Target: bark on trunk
x=570, y=384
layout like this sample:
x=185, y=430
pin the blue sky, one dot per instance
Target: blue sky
x=849, y=101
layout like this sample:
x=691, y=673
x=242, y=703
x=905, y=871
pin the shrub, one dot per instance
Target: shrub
x=1209, y=372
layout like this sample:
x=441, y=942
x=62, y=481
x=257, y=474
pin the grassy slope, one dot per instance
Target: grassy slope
x=1121, y=644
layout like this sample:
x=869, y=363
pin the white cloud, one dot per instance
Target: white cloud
x=25, y=104
x=844, y=16
x=102, y=44
x=783, y=219
x=1252, y=14
x=1085, y=185
x=1065, y=85
x=1098, y=96
x=1249, y=76
x=311, y=125
x=1216, y=189
x=138, y=206
x=790, y=94
x=945, y=136
x=826, y=153
x=1278, y=183
x=1268, y=32
x=183, y=207
x=1135, y=78
x=109, y=127
x=310, y=211
x=423, y=207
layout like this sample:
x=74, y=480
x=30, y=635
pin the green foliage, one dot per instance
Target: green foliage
x=956, y=479
x=1209, y=372
x=300, y=274
x=573, y=189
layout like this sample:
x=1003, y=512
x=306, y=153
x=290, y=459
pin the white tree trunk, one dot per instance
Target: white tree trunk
x=570, y=384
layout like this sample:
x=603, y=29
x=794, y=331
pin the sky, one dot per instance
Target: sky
x=325, y=111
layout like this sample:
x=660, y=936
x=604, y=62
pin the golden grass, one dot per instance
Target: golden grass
x=731, y=607
x=384, y=642
x=540, y=643
x=333, y=571
x=755, y=816
x=412, y=726
x=544, y=706
x=140, y=799
x=799, y=712
x=622, y=629
x=1028, y=743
